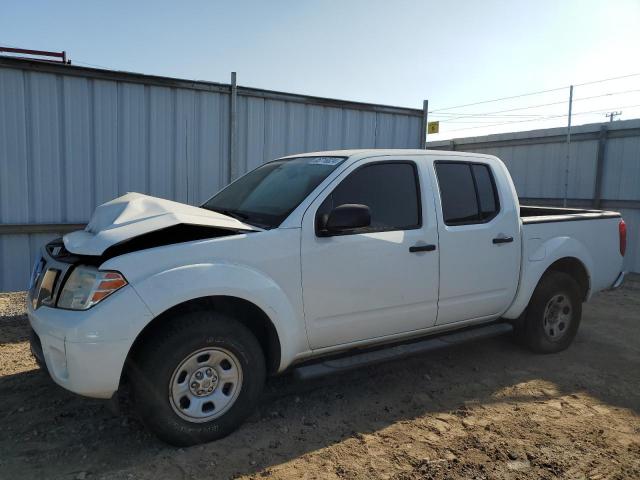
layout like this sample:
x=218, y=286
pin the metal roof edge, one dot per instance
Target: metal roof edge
x=201, y=85
x=587, y=131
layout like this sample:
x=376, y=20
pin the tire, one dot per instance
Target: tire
x=185, y=397
x=553, y=316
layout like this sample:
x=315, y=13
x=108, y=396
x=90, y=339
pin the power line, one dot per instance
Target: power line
x=488, y=114
x=551, y=117
x=492, y=114
x=498, y=99
x=490, y=120
x=536, y=93
x=606, y=79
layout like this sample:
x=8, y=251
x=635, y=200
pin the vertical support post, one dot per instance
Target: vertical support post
x=602, y=151
x=423, y=137
x=233, y=109
x=566, y=171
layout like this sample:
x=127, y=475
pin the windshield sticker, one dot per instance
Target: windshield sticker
x=326, y=161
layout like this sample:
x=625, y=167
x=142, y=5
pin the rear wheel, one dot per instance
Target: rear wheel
x=198, y=378
x=553, y=315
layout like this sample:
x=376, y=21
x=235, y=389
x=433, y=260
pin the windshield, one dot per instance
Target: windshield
x=267, y=195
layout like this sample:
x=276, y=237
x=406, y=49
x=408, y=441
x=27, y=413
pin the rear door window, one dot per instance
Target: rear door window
x=467, y=192
x=457, y=193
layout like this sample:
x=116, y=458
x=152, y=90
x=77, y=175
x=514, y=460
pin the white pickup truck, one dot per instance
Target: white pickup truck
x=307, y=263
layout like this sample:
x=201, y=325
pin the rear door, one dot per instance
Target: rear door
x=371, y=283
x=479, y=240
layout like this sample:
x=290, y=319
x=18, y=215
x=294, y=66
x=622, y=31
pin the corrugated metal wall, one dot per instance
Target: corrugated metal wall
x=72, y=138
x=537, y=162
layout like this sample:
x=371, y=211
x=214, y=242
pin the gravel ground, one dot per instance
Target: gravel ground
x=485, y=410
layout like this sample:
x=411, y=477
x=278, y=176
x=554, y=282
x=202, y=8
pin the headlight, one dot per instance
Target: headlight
x=87, y=286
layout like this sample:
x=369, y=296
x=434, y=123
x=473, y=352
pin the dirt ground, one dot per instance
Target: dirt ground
x=485, y=410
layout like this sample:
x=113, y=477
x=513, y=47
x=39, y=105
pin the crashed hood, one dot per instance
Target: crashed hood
x=135, y=214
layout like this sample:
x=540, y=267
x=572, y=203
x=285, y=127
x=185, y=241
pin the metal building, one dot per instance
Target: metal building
x=72, y=138
x=604, y=169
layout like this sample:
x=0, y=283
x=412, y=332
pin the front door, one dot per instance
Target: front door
x=368, y=283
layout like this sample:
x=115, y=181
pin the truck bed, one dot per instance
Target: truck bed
x=592, y=236
x=532, y=214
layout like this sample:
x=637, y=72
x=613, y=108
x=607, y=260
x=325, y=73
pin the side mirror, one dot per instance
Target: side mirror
x=344, y=218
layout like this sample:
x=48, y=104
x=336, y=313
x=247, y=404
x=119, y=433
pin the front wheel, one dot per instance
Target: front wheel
x=553, y=315
x=197, y=378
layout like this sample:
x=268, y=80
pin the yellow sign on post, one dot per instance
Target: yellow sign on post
x=433, y=127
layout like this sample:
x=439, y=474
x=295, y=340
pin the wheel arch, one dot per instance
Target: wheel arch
x=246, y=312
x=576, y=267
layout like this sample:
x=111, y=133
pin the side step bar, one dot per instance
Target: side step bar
x=358, y=360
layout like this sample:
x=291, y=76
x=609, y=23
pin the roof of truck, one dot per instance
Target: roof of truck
x=369, y=152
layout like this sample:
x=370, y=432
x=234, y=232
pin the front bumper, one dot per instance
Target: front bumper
x=89, y=369
x=81, y=349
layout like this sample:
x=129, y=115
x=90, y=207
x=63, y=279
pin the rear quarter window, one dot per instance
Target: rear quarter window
x=487, y=194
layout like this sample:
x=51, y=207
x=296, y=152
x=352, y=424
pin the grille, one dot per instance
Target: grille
x=48, y=274
x=44, y=286
x=57, y=250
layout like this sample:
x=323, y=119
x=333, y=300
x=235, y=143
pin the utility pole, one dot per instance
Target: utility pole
x=232, y=174
x=566, y=171
x=611, y=115
x=425, y=123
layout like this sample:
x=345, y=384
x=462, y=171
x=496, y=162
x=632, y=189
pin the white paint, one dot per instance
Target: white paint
x=321, y=294
x=134, y=214
x=358, y=287
x=477, y=277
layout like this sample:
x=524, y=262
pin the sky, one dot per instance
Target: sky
x=450, y=52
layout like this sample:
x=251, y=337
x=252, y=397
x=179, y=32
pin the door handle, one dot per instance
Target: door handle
x=503, y=240
x=422, y=248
